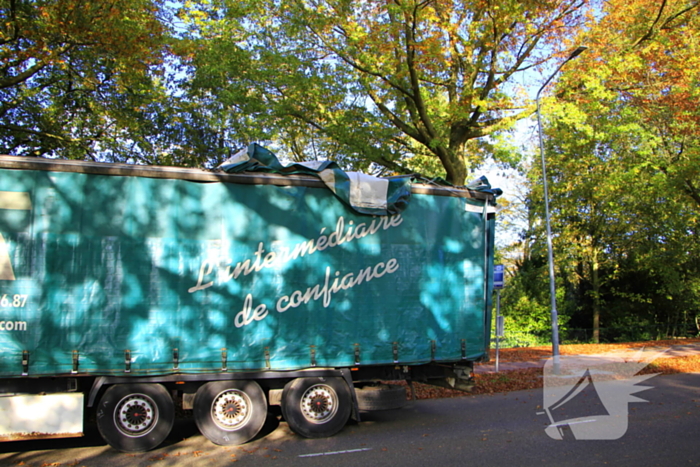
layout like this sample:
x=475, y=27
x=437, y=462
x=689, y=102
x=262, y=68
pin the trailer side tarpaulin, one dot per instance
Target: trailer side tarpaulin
x=183, y=274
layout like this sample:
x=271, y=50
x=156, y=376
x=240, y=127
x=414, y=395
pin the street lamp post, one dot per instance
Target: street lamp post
x=550, y=255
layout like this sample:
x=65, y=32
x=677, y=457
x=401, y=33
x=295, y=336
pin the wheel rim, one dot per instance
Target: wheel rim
x=136, y=415
x=231, y=409
x=319, y=403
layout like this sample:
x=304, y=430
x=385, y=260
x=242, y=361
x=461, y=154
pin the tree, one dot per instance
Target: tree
x=623, y=153
x=646, y=55
x=397, y=84
x=76, y=76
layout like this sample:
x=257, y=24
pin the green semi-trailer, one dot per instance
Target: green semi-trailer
x=128, y=290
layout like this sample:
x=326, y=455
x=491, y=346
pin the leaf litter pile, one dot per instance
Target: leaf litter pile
x=509, y=379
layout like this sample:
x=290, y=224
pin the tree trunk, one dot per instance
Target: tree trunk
x=455, y=168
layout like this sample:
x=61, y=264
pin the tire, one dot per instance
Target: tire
x=135, y=417
x=230, y=412
x=381, y=397
x=316, y=407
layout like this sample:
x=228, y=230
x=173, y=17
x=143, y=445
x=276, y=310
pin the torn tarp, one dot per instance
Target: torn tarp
x=364, y=193
x=482, y=185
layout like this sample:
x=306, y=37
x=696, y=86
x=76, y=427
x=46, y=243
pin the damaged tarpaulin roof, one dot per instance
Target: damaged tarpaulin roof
x=482, y=185
x=364, y=193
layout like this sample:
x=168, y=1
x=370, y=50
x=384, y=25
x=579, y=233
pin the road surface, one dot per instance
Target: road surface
x=485, y=430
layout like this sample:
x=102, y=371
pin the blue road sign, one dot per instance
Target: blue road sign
x=498, y=276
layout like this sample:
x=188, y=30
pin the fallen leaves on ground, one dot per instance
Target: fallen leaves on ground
x=487, y=383
x=531, y=378
x=533, y=354
x=669, y=366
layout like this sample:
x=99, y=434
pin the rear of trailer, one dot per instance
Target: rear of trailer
x=131, y=290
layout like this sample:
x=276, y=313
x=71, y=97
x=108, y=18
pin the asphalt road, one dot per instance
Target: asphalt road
x=495, y=430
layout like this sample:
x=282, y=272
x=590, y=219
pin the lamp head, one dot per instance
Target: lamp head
x=576, y=52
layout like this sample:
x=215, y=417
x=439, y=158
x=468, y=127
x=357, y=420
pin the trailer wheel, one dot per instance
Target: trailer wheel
x=230, y=412
x=316, y=407
x=135, y=417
